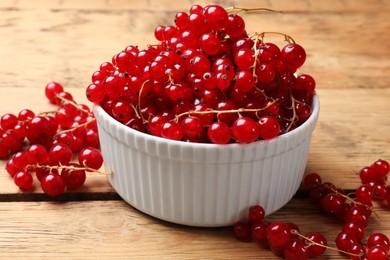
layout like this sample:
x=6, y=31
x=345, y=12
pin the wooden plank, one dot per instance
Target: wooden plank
x=69, y=42
x=352, y=132
x=164, y=5
x=114, y=230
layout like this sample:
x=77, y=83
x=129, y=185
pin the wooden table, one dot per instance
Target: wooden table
x=348, y=46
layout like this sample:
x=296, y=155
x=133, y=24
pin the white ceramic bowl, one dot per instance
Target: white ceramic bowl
x=204, y=185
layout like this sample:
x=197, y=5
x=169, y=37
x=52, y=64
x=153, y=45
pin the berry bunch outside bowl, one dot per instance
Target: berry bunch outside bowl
x=207, y=122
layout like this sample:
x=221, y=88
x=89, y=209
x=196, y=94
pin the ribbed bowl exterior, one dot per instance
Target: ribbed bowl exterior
x=203, y=185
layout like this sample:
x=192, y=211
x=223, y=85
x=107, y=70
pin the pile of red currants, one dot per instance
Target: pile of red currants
x=353, y=210
x=44, y=144
x=207, y=80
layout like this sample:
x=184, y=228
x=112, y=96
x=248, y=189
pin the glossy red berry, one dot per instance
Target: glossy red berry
x=259, y=232
x=210, y=43
x=219, y=133
x=8, y=121
x=60, y=154
x=345, y=241
x=312, y=180
x=245, y=130
x=20, y=159
x=191, y=126
x=53, y=184
x=235, y=26
x=95, y=93
x=216, y=17
x=37, y=154
x=306, y=83
x=293, y=56
x=52, y=89
x=256, y=214
x=316, y=250
x=73, y=177
x=269, y=127
x=365, y=194
x=245, y=80
x=244, y=58
x=91, y=158
x=355, y=229
x=378, y=239
x=332, y=203
x=278, y=234
x=380, y=168
x=377, y=252
x=155, y=124
x=172, y=130
x=296, y=249
x=366, y=175
x=26, y=114
x=242, y=231
x=23, y=180
x=122, y=111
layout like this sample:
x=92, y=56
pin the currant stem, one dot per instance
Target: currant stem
x=139, y=99
x=295, y=232
x=47, y=113
x=287, y=37
x=213, y=111
x=245, y=9
x=256, y=55
x=74, y=128
x=72, y=103
x=294, y=117
x=61, y=167
x=135, y=111
x=352, y=200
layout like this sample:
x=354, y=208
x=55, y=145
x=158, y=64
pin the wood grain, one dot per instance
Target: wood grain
x=346, y=41
x=114, y=230
x=348, y=48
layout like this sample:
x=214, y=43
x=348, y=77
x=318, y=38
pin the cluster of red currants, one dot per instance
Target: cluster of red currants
x=353, y=209
x=207, y=80
x=283, y=238
x=45, y=144
x=374, y=183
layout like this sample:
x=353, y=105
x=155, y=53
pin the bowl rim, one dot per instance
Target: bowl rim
x=309, y=122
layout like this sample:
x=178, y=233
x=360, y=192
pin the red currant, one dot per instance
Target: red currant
x=52, y=89
x=53, y=184
x=23, y=180
x=269, y=127
x=90, y=158
x=242, y=231
x=278, y=234
x=293, y=56
x=245, y=130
